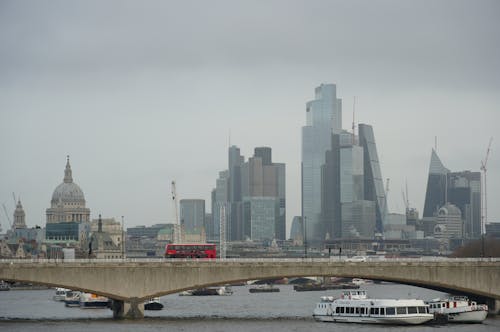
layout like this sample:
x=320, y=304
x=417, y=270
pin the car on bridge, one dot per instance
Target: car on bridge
x=356, y=259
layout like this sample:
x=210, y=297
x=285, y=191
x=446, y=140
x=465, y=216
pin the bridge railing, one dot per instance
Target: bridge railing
x=243, y=260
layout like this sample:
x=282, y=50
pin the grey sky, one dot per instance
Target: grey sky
x=140, y=93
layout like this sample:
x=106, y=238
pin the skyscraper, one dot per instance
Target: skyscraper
x=435, y=196
x=323, y=118
x=261, y=180
x=464, y=191
x=192, y=215
x=245, y=190
x=373, y=183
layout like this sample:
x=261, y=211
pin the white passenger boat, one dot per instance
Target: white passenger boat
x=354, y=307
x=458, y=309
x=93, y=301
x=60, y=294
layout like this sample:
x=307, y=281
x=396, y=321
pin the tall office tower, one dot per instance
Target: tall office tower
x=464, y=191
x=373, y=183
x=345, y=212
x=235, y=213
x=261, y=179
x=220, y=198
x=323, y=118
x=435, y=196
x=192, y=214
x=331, y=214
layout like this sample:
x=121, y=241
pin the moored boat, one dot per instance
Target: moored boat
x=223, y=290
x=264, y=289
x=4, y=286
x=458, y=309
x=93, y=301
x=60, y=294
x=72, y=299
x=153, y=304
x=354, y=307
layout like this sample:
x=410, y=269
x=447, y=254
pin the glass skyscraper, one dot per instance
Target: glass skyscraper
x=323, y=118
x=435, y=196
x=373, y=183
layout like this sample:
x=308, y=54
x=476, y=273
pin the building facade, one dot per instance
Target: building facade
x=67, y=211
x=373, y=184
x=192, y=214
x=323, y=118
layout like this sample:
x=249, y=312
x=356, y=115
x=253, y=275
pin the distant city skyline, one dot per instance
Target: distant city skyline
x=138, y=97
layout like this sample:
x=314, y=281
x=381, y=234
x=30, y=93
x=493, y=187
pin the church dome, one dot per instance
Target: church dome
x=68, y=191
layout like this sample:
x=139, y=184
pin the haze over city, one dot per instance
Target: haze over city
x=140, y=95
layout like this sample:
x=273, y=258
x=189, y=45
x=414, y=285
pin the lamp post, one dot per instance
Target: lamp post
x=305, y=237
x=123, y=238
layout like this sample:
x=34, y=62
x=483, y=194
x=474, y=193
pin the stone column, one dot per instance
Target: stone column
x=132, y=309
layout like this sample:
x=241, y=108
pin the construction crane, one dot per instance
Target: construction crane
x=177, y=226
x=7, y=215
x=483, y=168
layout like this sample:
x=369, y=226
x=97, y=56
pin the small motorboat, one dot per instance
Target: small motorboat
x=153, y=304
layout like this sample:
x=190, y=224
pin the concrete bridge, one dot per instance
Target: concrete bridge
x=130, y=282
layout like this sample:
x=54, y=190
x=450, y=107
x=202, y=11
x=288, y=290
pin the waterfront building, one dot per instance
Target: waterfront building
x=102, y=246
x=111, y=227
x=192, y=215
x=373, y=183
x=67, y=211
x=150, y=232
x=323, y=118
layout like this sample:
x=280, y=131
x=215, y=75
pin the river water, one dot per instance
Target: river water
x=243, y=311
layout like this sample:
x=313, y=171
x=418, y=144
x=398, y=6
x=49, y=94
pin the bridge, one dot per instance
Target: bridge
x=130, y=282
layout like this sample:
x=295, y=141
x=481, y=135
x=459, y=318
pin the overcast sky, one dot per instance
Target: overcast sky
x=140, y=93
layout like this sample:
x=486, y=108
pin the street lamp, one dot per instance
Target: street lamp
x=123, y=238
x=305, y=237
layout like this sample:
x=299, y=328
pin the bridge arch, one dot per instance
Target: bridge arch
x=135, y=281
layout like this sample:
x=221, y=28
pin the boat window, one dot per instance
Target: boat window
x=341, y=310
x=421, y=310
x=351, y=310
x=372, y=311
x=376, y=311
x=390, y=311
x=357, y=311
x=382, y=311
x=401, y=310
x=412, y=310
x=337, y=310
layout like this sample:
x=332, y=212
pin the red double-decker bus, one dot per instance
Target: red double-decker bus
x=190, y=251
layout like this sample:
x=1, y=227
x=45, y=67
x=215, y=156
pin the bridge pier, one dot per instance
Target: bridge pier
x=132, y=309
